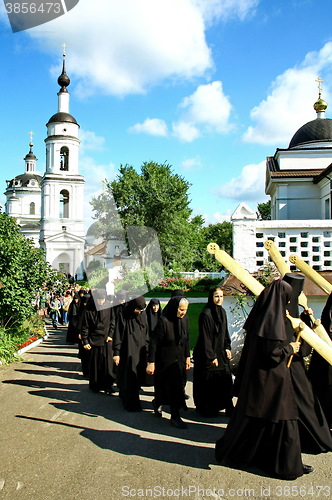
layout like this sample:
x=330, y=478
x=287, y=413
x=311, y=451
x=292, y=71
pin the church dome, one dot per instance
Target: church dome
x=319, y=130
x=62, y=117
x=25, y=180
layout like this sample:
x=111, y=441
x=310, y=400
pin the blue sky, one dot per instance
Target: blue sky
x=211, y=87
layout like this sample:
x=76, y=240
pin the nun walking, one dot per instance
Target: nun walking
x=169, y=357
x=130, y=352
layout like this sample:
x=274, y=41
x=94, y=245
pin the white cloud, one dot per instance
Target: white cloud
x=152, y=126
x=249, y=185
x=206, y=110
x=186, y=132
x=91, y=141
x=94, y=174
x=191, y=164
x=279, y=116
x=125, y=47
x=215, y=9
x=129, y=45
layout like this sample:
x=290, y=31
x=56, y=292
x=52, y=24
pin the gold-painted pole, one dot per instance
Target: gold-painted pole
x=313, y=340
x=311, y=273
x=250, y=282
x=235, y=268
x=302, y=300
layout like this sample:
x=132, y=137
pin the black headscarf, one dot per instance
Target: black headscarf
x=128, y=310
x=216, y=310
x=171, y=314
x=297, y=282
x=151, y=315
x=267, y=318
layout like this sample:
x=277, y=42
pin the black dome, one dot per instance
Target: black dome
x=314, y=131
x=25, y=179
x=62, y=117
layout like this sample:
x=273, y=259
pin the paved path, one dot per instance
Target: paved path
x=60, y=441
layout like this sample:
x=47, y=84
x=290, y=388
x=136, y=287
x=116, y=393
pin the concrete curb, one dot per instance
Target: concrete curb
x=33, y=344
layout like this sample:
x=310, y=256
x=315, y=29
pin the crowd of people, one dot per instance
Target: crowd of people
x=282, y=410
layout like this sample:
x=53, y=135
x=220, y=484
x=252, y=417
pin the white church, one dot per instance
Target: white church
x=49, y=208
x=299, y=183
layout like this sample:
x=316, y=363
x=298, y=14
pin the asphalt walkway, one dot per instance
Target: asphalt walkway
x=60, y=441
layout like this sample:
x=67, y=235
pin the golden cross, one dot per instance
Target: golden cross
x=31, y=134
x=319, y=80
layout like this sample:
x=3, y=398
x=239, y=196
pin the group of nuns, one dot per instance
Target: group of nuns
x=132, y=346
x=280, y=412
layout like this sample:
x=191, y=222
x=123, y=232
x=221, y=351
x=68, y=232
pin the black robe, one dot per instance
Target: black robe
x=152, y=319
x=130, y=343
x=263, y=429
x=73, y=322
x=168, y=349
x=97, y=326
x=314, y=431
x=212, y=385
x=320, y=371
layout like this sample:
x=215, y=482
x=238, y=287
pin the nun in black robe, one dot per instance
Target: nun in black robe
x=263, y=429
x=130, y=352
x=169, y=357
x=212, y=381
x=83, y=354
x=73, y=330
x=314, y=431
x=320, y=371
x=153, y=313
x=97, y=336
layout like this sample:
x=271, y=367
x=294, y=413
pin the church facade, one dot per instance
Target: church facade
x=49, y=208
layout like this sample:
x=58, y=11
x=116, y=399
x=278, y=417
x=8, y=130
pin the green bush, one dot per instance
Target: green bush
x=8, y=347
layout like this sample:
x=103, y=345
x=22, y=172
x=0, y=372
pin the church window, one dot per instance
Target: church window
x=64, y=158
x=32, y=208
x=315, y=239
x=64, y=204
x=281, y=235
x=292, y=239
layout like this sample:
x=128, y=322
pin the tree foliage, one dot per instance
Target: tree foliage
x=23, y=270
x=264, y=210
x=220, y=233
x=156, y=198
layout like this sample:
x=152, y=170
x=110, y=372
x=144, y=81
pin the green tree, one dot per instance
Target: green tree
x=222, y=234
x=264, y=210
x=23, y=271
x=156, y=198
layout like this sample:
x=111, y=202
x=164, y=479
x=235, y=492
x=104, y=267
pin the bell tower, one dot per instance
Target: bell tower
x=62, y=224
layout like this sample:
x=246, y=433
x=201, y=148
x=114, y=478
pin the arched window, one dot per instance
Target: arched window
x=32, y=208
x=64, y=204
x=64, y=158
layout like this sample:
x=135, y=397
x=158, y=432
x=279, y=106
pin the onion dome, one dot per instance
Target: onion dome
x=63, y=79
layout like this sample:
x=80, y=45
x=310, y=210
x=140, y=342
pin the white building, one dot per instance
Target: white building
x=49, y=208
x=298, y=180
